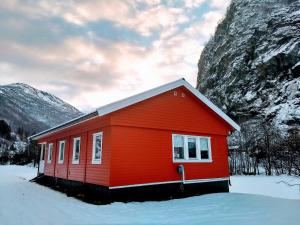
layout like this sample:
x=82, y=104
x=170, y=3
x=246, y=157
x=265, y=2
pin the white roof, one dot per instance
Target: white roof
x=159, y=90
x=106, y=109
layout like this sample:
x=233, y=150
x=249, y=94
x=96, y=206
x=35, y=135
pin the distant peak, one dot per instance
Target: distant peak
x=21, y=85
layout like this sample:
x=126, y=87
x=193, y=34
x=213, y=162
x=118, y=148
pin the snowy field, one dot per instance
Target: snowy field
x=22, y=202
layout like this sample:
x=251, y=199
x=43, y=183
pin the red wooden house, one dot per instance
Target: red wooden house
x=166, y=142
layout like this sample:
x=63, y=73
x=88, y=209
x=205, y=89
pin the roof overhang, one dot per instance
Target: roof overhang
x=106, y=109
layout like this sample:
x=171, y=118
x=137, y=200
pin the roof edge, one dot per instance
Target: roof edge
x=103, y=110
x=61, y=126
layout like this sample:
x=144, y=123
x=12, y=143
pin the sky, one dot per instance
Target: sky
x=93, y=52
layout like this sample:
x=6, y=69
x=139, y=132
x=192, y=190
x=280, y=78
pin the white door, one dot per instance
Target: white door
x=42, y=159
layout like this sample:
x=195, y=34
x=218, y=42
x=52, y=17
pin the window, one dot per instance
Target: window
x=192, y=148
x=76, y=150
x=61, y=152
x=50, y=152
x=43, y=149
x=97, y=148
x=204, y=148
x=178, y=146
x=187, y=148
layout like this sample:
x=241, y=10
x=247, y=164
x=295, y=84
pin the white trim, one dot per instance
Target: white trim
x=54, y=130
x=43, y=146
x=74, y=148
x=193, y=161
x=97, y=161
x=159, y=90
x=173, y=156
x=198, y=149
x=61, y=161
x=49, y=159
x=205, y=180
x=172, y=182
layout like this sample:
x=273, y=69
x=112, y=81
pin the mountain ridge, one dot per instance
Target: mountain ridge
x=32, y=109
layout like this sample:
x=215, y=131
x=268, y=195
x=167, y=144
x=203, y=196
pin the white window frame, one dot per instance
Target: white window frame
x=61, y=161
x=43, y=151
x=198, y=151
x=97, y=161
x=74, y=161
x=49, y=159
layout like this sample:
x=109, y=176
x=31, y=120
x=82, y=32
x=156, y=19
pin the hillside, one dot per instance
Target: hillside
x=251, y=66
x=32, y=109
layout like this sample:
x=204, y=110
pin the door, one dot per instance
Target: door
x=42, y=158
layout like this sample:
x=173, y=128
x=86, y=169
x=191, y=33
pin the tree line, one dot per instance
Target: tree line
x=263, y=148
x=14, y=147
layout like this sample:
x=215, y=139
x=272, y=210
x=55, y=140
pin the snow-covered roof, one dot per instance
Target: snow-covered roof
x=106, y=109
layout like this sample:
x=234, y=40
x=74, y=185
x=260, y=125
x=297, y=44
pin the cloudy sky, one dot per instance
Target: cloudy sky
x=93, y=52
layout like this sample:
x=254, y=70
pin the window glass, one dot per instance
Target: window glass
x=192, y=148
x=61, y=151
x=50, y=150
x=204, y=148
x=76, y=150
x=97, y=147
x=178, y=147
x=43, y=149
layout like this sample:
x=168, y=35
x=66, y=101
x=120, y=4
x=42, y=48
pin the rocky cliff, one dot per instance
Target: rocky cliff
x=251, y=66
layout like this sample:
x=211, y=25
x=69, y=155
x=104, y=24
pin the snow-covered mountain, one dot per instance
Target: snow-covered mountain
x=251, y=66
x=32, y=109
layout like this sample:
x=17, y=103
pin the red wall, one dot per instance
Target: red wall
x=137, y=143
x=92, y=173
x=142, y=139
x=145, y=156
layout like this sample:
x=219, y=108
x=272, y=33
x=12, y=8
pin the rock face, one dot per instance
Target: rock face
x=24, y=106
x=251, y=67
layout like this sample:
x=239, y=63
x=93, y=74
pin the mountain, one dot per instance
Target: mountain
x=251, y=66
x=32, y=109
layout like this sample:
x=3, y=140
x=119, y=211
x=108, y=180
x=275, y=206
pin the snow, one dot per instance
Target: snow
x=22, y=202
x=286, y=48
x=250, y=95
x=298, y=63
x=267, y=185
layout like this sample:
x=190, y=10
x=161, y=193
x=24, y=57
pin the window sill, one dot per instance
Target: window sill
x=96, y=162
x=192, y=161
x=60, y=162
x=75, y=162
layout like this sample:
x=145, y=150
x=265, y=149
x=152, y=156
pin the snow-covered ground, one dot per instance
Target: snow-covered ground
x=22, y=202
x=273, y=186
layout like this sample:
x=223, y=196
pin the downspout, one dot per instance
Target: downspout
x=180, y=170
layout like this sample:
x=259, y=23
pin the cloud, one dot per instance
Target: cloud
x=80, y=64
x=142, y=21
x=220, y=4
x=144, y=17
